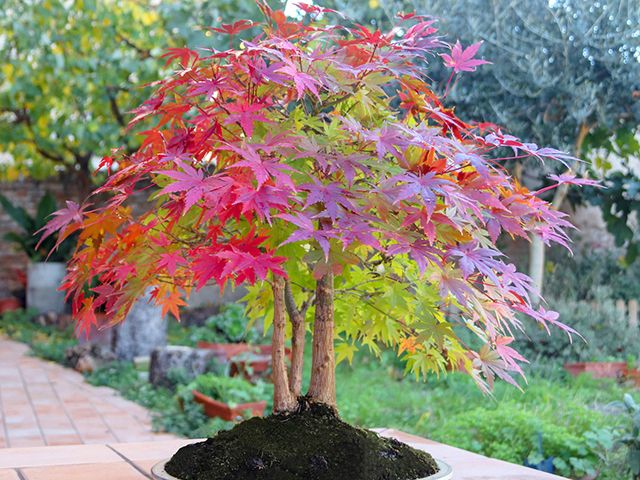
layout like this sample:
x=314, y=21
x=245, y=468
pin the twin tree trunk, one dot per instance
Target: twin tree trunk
x=288, y=385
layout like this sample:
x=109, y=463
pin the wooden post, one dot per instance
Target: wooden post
x=621, y=306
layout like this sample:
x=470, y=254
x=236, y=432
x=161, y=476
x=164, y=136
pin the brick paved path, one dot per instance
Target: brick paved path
x=42, y=403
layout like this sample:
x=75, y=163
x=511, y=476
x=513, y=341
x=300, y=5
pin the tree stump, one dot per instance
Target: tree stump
x=186, y=361
x=143, y=330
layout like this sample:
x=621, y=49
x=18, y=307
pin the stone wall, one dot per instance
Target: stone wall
x=25, y=193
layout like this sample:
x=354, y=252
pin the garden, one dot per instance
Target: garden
x=283, y=231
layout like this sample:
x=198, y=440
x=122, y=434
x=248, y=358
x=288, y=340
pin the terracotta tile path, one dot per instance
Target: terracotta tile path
x=42, y=404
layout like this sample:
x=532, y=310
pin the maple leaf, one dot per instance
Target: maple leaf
x=262, y=199
x=192, y=182
x=571, y=179
x=233, y=28
x=247, y=266
x=333, y=197
x=462, y=60
x=245, y=114
x=426, y=187
x=471, y=258
x=171, y=261
x=307, y=231
x=171, y=303
x=262, y=168
x=303, y=81
x=183, y=53
x=65, y=221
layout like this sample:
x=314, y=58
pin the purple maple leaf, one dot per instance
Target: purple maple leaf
x=307, y=231
x=332, y=196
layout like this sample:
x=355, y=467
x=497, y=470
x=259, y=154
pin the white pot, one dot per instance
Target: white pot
x=43, y=281
x=446, y=472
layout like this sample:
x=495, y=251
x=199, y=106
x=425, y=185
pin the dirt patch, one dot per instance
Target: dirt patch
x=311, y=444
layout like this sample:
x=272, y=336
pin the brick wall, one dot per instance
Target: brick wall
x=25, y=193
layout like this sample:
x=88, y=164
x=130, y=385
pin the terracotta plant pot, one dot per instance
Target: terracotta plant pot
x=598, y=369
x=9, y=304
x=446, y=472
x=632, y=375
x=216, y=409
x=228, y=350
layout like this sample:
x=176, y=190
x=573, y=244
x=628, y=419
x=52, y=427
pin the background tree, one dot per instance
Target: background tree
x=71, y=70
x=316, y=164
x=560, y=71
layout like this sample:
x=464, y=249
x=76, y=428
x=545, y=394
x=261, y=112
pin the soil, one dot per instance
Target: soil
x=310, y=444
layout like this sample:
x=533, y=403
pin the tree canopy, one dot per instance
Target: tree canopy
x=315, y=158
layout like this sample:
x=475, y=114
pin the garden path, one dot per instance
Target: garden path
x=43, y=404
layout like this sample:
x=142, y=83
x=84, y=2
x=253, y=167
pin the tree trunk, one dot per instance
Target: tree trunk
x=537, y=247
x=297, y=342
x=322, y=387
x=283, y=400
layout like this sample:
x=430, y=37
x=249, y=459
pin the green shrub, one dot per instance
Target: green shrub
x=510, y=433
x=230, y=390
x=584, y=275
x=231, y=325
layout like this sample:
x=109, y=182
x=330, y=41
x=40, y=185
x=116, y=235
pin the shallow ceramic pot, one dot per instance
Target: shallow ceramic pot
x=446, y=472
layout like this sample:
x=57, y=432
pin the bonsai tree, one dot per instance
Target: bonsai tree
x=315, y=164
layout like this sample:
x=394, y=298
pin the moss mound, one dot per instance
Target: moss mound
x=311, y=444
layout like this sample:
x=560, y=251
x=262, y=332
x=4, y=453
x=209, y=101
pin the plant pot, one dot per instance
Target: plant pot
x=597, y=369
x=258, y=359
x=632, y=375
x=232, y=349
x=228, y=350
x=43, y=281
x=446, y=472
x=216, y=409
x=9, y=304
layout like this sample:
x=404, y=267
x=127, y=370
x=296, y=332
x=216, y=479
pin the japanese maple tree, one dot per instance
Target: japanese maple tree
x=315, y=165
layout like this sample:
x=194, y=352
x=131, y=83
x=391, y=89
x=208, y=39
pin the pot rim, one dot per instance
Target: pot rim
x=445, y=473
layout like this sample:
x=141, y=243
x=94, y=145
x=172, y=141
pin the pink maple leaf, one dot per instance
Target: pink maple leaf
x=245, y=114
x=170, y=261
x=65, y=221
x=262, y=168
x=462, y=60
x=190, y=181
x=571, y=179
x=303, y=81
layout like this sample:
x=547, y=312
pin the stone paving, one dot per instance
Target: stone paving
x=43, y=404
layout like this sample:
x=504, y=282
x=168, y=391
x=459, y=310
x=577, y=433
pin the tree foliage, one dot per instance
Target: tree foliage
x=318, y=152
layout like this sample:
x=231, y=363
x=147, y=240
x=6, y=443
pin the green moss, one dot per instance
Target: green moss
x=312, y=444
